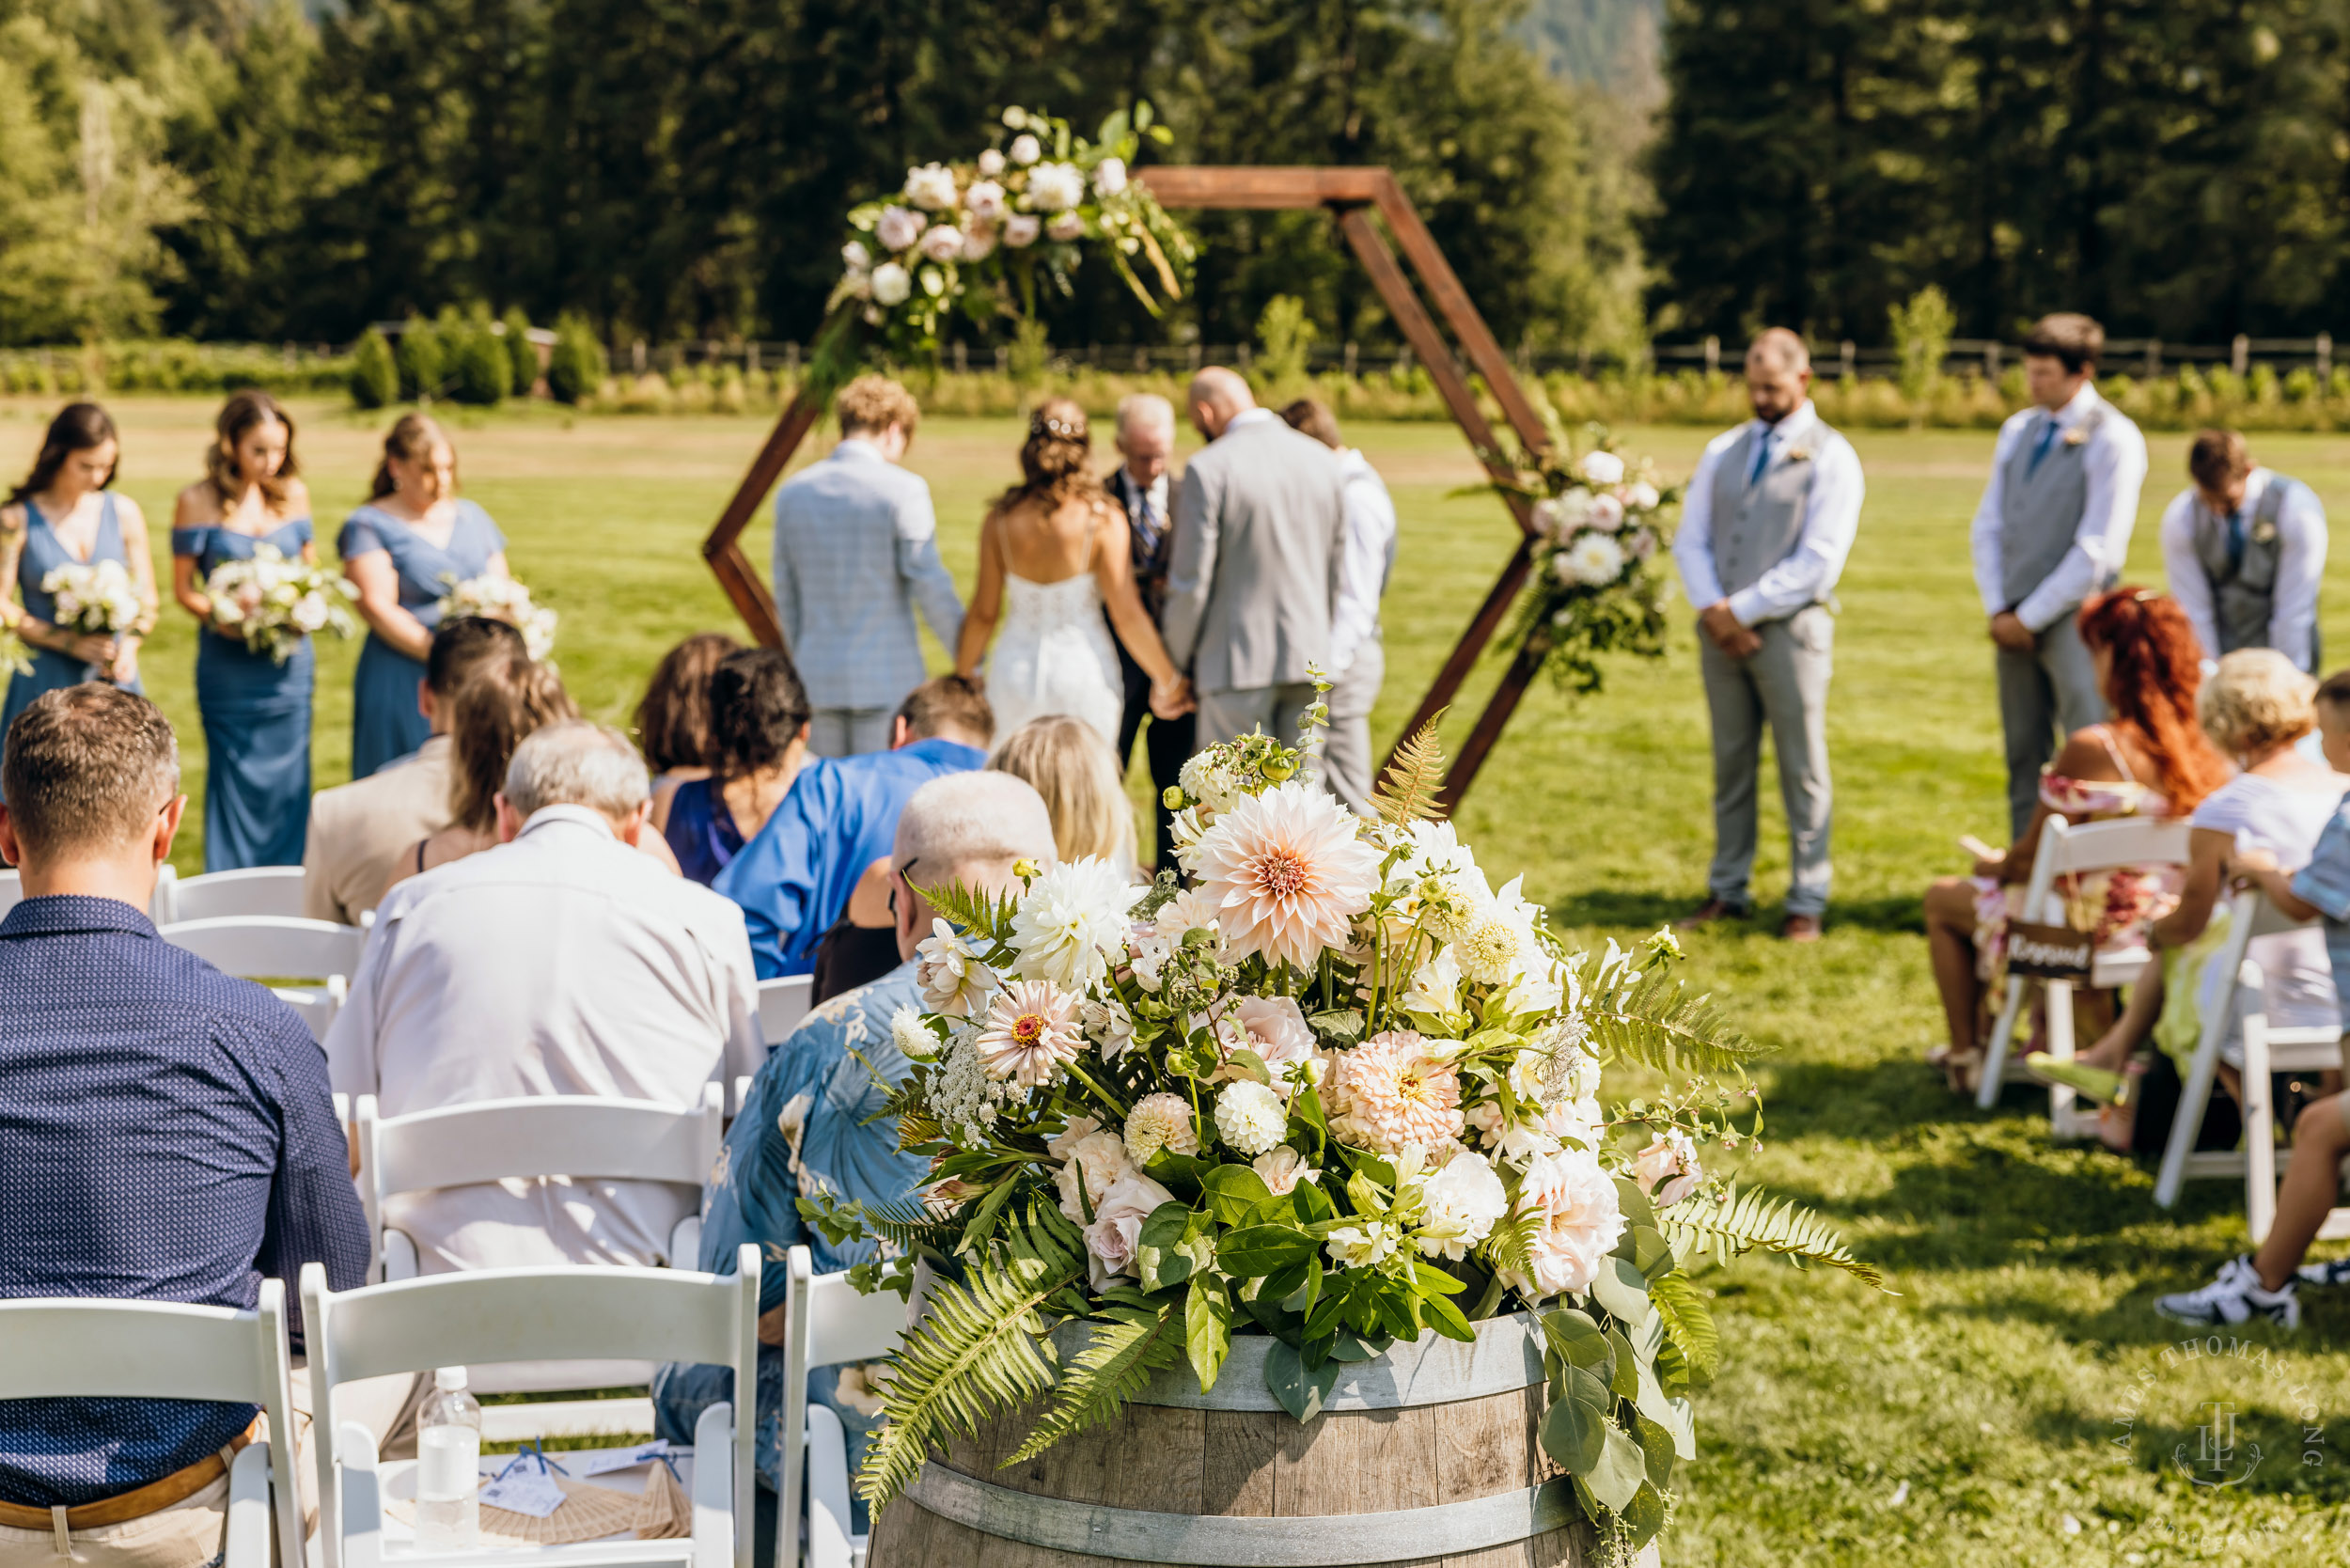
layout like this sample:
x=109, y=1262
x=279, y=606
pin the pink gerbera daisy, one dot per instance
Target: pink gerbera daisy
x=1286, y=873
x=1032, y=1032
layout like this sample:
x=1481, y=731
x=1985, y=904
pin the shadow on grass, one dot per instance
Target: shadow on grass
x=1632, y=909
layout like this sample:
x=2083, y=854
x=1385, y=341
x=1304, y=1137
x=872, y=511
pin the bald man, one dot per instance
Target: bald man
x=1253, y=571
x=1765, y=527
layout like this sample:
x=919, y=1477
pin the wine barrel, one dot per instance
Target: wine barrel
x=1426, y=1455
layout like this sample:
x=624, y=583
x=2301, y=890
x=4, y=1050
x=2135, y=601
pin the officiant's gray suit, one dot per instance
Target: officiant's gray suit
x=1259, y=531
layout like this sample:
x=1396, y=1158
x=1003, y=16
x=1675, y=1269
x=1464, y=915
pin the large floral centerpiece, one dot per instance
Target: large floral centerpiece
x=1335, y=1087
x=272, y=601
x=1599, y=580
x=979, y=236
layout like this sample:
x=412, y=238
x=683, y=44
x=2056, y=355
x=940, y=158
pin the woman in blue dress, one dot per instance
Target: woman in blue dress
x=256, y=712
x=403, y=551
x=65, y=513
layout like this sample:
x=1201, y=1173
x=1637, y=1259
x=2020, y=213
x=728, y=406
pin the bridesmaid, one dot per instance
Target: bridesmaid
x=256, y=712
x=65, y=513
x=403, y=551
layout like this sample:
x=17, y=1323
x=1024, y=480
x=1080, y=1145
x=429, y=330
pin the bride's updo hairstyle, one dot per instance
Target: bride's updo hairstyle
x=1056, y=460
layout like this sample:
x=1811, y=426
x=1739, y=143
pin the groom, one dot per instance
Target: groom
x=1259, y=534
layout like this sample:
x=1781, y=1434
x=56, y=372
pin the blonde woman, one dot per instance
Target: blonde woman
x=1073, y=767
x=1054, y=554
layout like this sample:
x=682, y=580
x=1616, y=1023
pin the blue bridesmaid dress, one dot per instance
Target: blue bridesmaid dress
x=384, y=721
x=257, y=721
x=43, y=555
x=701, y=831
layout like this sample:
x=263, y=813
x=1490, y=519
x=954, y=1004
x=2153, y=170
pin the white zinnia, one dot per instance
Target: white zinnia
x=898, y=227
x=1602, y=468
x=1594, y=558
x=1025, y=150
x=931, y=187
x=913, y=1038
x=1249, y=1118
x=1071, y=922
x=891, y=284
x=1054, y=187
x=1462, y=1203
x=1160, y=1121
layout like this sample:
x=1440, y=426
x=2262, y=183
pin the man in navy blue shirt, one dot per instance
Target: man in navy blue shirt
x=166, y=1134
x=794, y=877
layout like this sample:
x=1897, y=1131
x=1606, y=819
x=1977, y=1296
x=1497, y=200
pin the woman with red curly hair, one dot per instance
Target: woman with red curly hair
x=2150, y=759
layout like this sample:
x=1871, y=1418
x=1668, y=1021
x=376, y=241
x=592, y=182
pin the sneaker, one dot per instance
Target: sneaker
x=2233, y=1298
x=2101, y=1084
x=2327, y=1274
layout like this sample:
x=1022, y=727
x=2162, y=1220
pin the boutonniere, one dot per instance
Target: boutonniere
x=2264, y=531
x=1799, y=454
x=2076, y=436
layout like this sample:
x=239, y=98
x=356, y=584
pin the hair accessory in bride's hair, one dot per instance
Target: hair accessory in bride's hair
x=1056, y=427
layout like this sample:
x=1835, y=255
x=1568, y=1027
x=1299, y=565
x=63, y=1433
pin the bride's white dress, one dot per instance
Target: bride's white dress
x=1054, y=656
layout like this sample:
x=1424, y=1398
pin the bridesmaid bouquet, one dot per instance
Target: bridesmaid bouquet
x=273, y=602
x=502, y=598
x=1332, y=1086
x=96, y=598
x=14, y=656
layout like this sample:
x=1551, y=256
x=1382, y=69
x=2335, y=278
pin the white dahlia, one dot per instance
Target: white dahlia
x=1072, y=920
x=1286, y=872
x=1054, y=187
x=1595, y=559
x=1249, y=1118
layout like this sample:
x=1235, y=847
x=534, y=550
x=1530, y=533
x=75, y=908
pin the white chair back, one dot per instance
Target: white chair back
x=276, y=945
x=827, y=1323
x=500, y=1315
x=116, y=1349
x=260, y=890
x=2079, y=847
x=11, y=889
x=782, y=1003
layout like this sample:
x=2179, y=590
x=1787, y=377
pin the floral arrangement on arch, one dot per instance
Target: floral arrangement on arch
x=1599, y=580
x=1334, y=1086
x=979, y=236
x=273, y=600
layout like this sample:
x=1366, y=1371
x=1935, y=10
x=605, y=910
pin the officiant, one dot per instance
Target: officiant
x=1765, y=527
x=1146, y=442
x=2244, y=548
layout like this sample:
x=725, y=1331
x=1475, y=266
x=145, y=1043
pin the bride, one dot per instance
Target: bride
x=1052, y=553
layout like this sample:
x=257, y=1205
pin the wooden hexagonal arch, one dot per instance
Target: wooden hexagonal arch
x=1355, y=195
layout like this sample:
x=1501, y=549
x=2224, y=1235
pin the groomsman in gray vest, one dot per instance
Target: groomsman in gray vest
x=2052, y=529
x=2244, y=548
x=1765, y=525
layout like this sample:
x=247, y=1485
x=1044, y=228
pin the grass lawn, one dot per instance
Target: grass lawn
x=1975, y=1418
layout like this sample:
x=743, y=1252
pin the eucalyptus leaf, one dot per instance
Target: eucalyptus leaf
x=1645, y=1248
x=1673, y=1415
x=1620, y=1472
x=1657, y=1452
x=1251, y=1065
x=1622, y=1289
x=1300, y=1391
x=1577, y=1339
x=1642, y=1518
x=1574, y=1435
x=1624, y=1380
x=1638, y=1208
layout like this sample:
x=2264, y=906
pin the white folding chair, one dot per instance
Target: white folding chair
x=828, y=1324
x=2073, y=850
x=163, y=904
x=111, y=1349
x=2266, y=1050
x=11, y=889
x=502, y=1315
x=261, y=890
x=581, y=1137
x=782, y=1003
x=279, y=947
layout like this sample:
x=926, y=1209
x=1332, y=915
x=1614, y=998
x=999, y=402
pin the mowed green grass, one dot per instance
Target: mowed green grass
x=1994, y=1385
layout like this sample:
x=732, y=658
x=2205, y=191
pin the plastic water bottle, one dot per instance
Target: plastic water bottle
x=448, y=1466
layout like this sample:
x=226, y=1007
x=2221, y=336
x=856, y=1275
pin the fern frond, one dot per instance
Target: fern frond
x=1743, y=1222
x=1655, y=1021
x=1511, y=1246
x=1123, y=1354
x=1688, y=1324
x=983, y=917
x=907, y=1224
x=978, y=1349
x=1408, y=790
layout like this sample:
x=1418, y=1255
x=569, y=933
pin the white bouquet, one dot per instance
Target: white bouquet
x=502, y=598
x=273, y=602
x=97, y=599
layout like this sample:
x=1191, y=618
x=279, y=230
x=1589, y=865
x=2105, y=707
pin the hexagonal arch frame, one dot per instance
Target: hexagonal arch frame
x=1353, y=195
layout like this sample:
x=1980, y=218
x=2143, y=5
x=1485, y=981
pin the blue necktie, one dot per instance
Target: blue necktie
x=1762, y=458
x=2040, y=448
x=2236, y=539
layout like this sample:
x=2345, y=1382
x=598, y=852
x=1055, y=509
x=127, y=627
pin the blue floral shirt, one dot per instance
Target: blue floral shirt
x=808, y=1125
x=2325, y=884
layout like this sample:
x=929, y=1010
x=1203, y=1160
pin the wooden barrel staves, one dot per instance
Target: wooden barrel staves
x=1427, y=1456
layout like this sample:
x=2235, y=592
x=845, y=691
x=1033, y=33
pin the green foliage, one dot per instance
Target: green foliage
x=1126, y=1347
x=522, y=356
x=423, y=360
x=374, y=373
x=478, y=369
x=1410, y=788
x=575, y=370
x=1688, y=1324
x=1285, y=336
x=1029, y=354
x=1922, y=335
x=1655, y=1021
x=1742, y=1222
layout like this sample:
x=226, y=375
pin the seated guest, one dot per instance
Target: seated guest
x=165, y=1135
x=673, y=720
x=813, y=1124
x=560, y=962
x=794, y=878
x=503, y=701
x=1077, y=775
x=862, y=945
x=357, y=830
x=758, y=719
x=2255, y=707
x=2149, y=760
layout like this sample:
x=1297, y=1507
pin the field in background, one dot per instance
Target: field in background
x=1987, y=1397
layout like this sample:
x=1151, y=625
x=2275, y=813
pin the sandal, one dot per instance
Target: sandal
x=1962, y=1069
